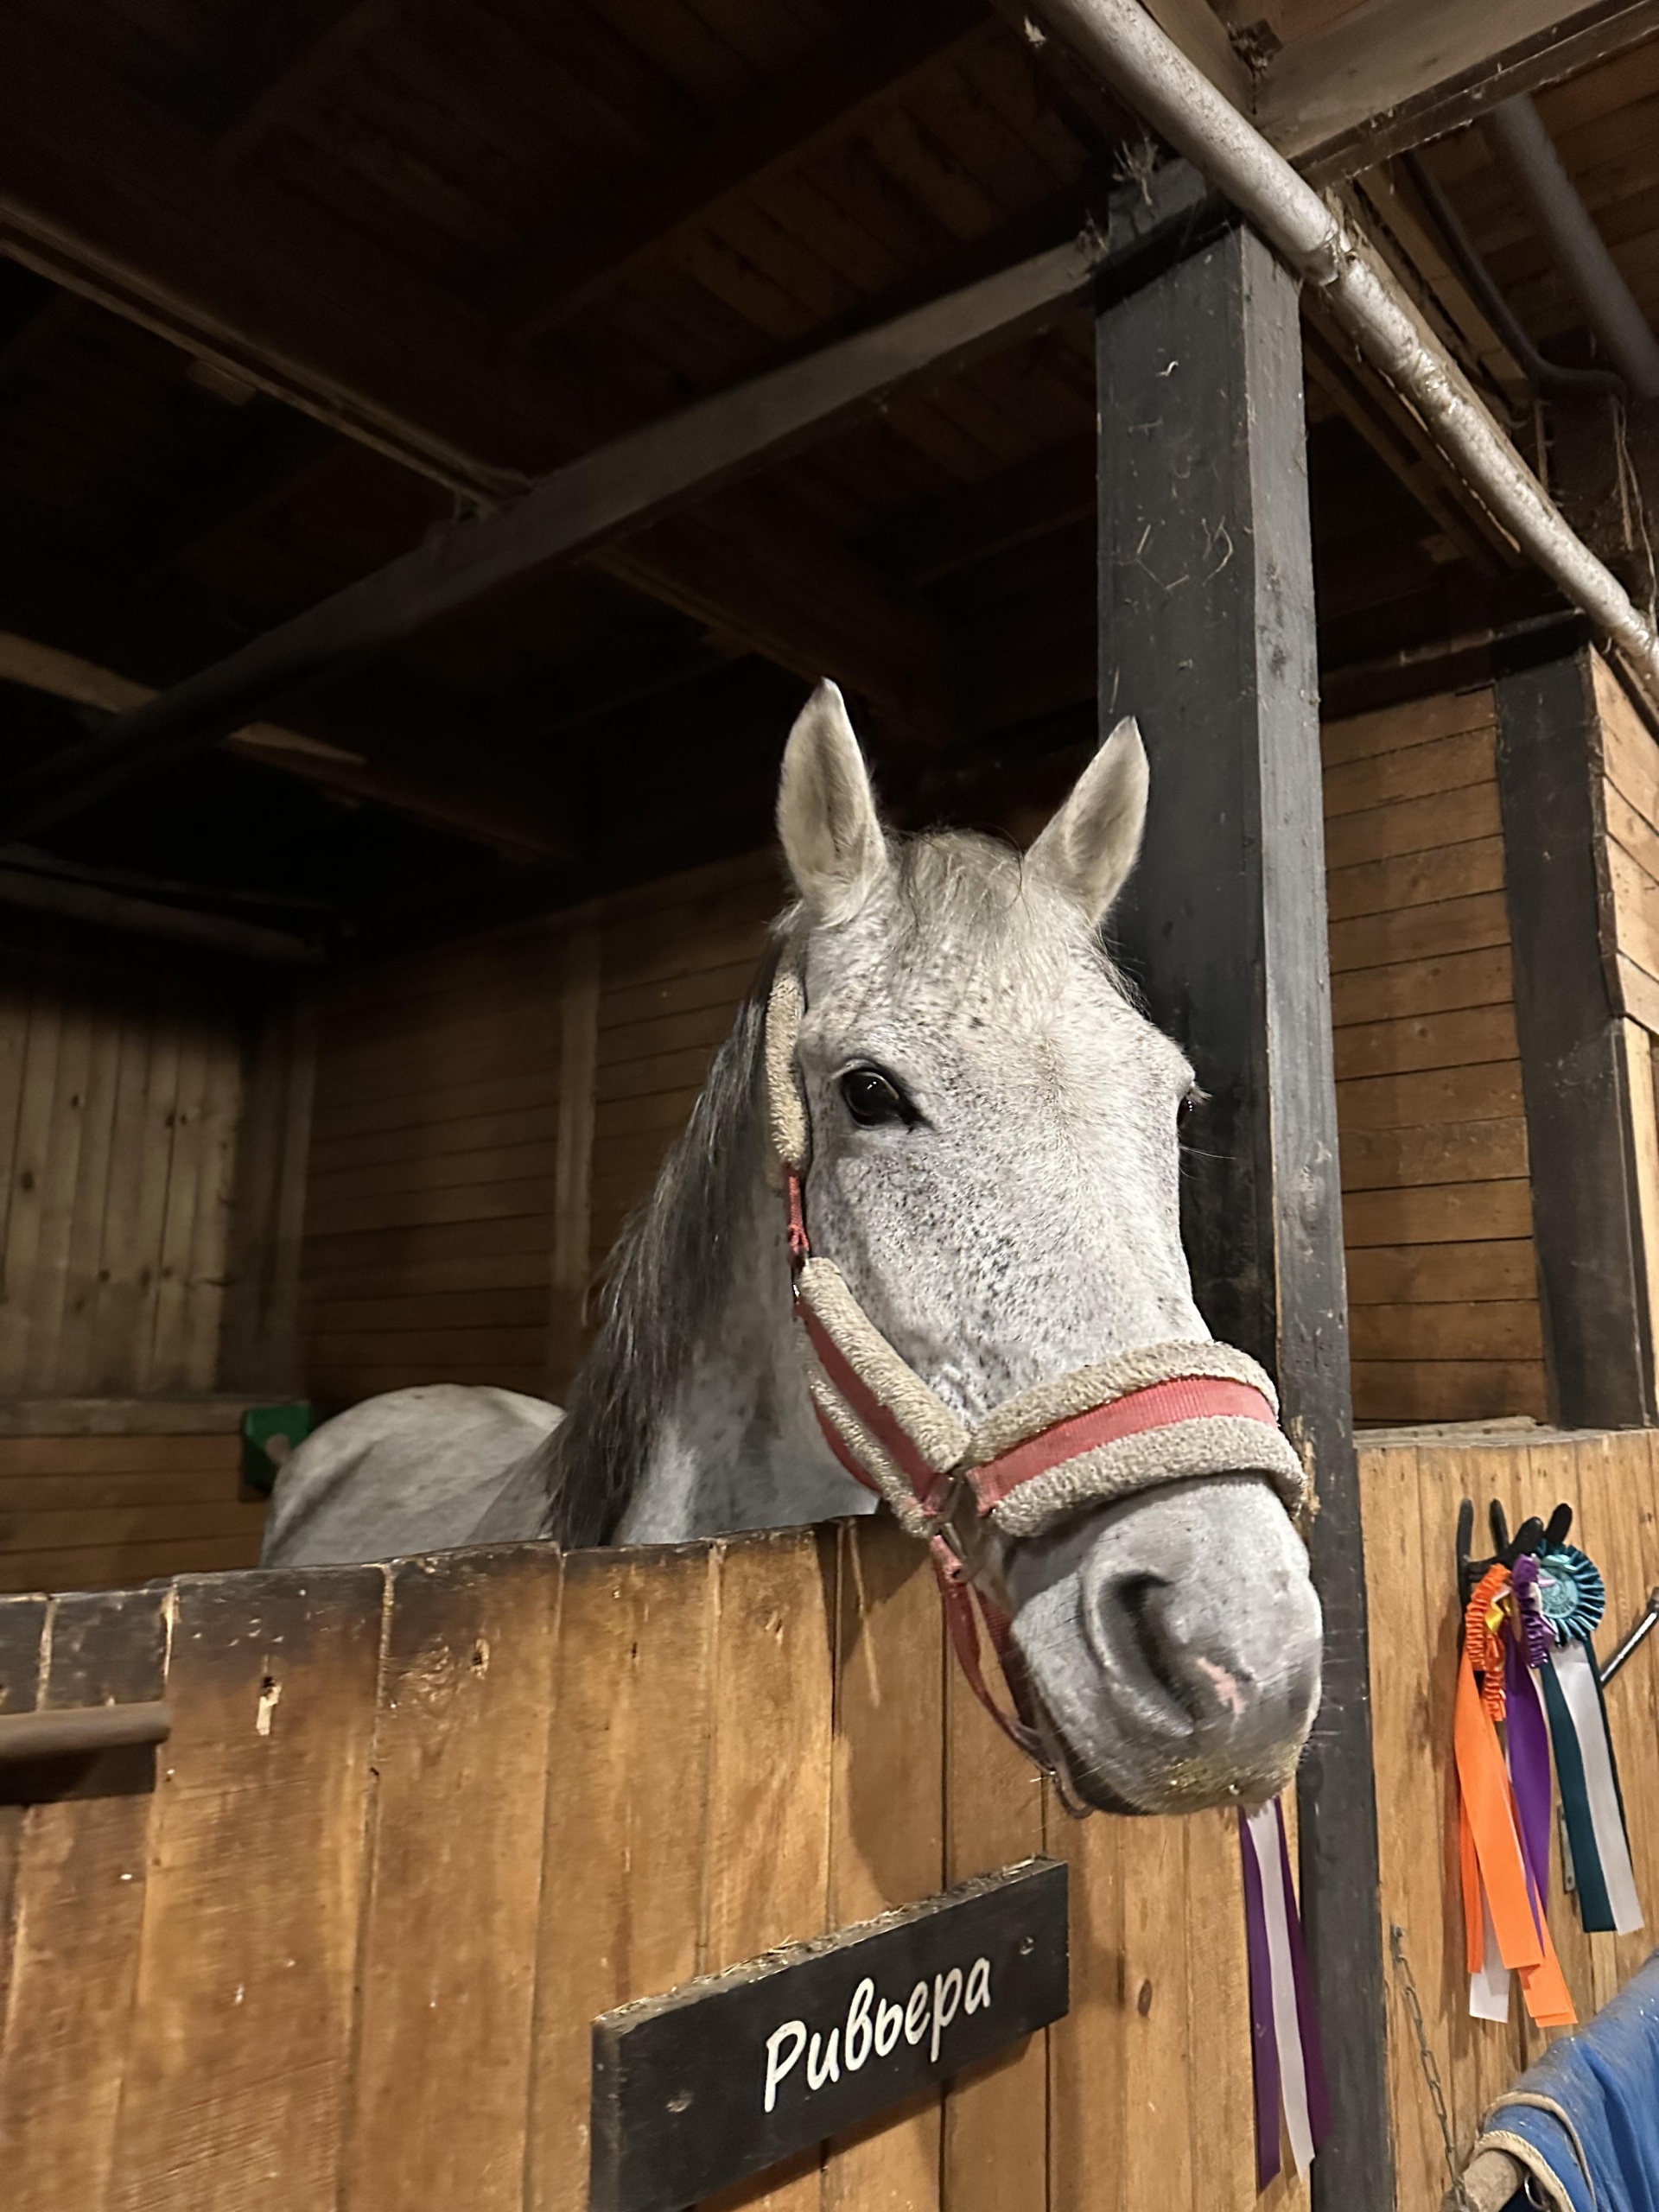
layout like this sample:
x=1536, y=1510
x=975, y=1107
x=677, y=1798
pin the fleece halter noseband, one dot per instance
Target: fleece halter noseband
x=1165, y=1413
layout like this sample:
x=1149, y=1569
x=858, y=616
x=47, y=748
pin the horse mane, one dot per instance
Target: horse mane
x=670, y=1267
x=666, y=1276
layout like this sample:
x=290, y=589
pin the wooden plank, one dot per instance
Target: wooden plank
x=252, y=1911
x=1407, y=1275
x=413, y=1210
x=452, y=1101
x=1391, y=74
x=771, y=1774
x=1444, y=764
x=1504, y=1329
x=1420, y=933
x=437, y=1273
x=440, y=2082
x=1636, y=909
x=1419, y=721
x=138, y=1524
x=570, y=1269
x=82, y=1871
x=1413, y=825
x=1572, y=1051
x=1430, y=1040
x=1454, y=871
x=73, y=1362
x=118, y=1454
x=1489, y=1091
x=207, y=1254
x=1402, y=1391
x=886, y=1822
x=162, y=1310
x=1446, y=1213
x=32, y=1148
x=259, y=1338
x=725, y=985
x=626, y=1802
x=26, y=1494
x=105, y=1566
x=995, y=2150
x=1629, y=753
x=1087, y=2049
x=1638, y=995
x=134, y=1215
x=22, y=1624
x=1464, y=1152
x=1408, y=987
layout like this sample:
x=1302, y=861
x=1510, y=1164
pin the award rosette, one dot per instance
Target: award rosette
x=1573, y=1599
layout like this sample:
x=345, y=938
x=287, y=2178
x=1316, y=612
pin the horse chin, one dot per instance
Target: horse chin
x=1171, y=1644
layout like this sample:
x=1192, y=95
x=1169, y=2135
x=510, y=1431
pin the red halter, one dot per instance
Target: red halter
x=1158, y=1405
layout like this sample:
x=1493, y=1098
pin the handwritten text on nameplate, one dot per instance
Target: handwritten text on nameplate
x=725, y=2076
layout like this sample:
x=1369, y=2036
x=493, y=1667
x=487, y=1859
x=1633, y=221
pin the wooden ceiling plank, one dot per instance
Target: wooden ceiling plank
x=103, y=194
x=622, y=487
x=1395, y=72
x=980, y=520
x=595, y=246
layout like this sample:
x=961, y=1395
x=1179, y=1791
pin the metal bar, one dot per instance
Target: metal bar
x=77, y=1731
x=1633, y=1641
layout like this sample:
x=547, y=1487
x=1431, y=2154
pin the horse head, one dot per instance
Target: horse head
x=990, y=1160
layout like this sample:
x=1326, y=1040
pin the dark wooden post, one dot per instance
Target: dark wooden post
x=1206, y=633
x=1580, y=1138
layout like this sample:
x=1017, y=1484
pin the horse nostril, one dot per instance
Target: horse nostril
x=1142, y=1600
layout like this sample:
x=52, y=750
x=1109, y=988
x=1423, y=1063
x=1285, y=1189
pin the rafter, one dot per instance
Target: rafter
x=594, y=247
x=101, y=192
x=1392, y=73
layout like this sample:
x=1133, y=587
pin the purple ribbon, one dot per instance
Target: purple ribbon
x=1528, y=1744
x=1264, y=2043
x=1280, y=2007
x=1307, y=2018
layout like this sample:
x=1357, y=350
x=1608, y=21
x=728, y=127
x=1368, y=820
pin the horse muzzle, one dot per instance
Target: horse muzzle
x=1172, y=1646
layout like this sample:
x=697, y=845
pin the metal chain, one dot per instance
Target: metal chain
x=1425, y=2059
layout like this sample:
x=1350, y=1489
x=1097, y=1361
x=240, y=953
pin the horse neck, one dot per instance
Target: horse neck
x=736, y=1446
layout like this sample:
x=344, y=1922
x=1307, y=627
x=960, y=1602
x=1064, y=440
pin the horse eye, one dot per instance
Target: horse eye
x=1183, y=1111
x=873, y=1099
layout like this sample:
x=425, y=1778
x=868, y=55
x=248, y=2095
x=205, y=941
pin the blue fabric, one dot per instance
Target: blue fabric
x=1606, y=2077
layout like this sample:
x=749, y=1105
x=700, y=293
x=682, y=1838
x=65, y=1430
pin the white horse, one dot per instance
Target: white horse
x=995, y=1168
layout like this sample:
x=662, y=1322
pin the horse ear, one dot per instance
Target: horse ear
x=1090, y=847
x=831, y=834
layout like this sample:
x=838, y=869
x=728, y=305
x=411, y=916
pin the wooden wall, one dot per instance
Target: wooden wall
x=99, y=1492
x=1442, y=1279
x=430, y=1190
x=486, y=1117
x=120, y=1085
x=262, y=2013
x=1411, y=1497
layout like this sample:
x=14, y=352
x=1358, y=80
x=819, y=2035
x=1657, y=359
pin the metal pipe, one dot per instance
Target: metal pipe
x=1545, y=376
x=1120, y=40
x=1633, y=1641
x=1517, y=135
x=77, y=1731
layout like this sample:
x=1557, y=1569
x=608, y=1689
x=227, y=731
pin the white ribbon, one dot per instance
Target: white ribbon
x=1489, y=1987
x=1262, y=1827
x=1583, y=1702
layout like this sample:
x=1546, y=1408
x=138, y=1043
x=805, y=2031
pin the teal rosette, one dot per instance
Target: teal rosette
x=1571, y=1595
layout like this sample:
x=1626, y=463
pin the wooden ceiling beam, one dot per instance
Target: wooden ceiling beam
x=1393, y=73
x=107, y=196
x=494, y=794
x=593, y=247
x=1020, y=505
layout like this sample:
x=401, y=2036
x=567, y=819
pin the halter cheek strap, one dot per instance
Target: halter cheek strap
x=1164, y=1413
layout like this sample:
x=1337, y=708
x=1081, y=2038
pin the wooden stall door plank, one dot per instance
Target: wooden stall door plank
x=628, y=1747
x=886, y=1837
x=22, y=1625
x=1406, y=1661
x=995, y=2150
x=236, y=2090
x=446, y=1971
x=1088, y=2050
x=80, y=1867
x=771, y=1775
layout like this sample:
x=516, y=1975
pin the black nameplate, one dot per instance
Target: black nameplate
x=724, y=2077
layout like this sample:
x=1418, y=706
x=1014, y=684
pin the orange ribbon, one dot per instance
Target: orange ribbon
x=1489, y=1839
